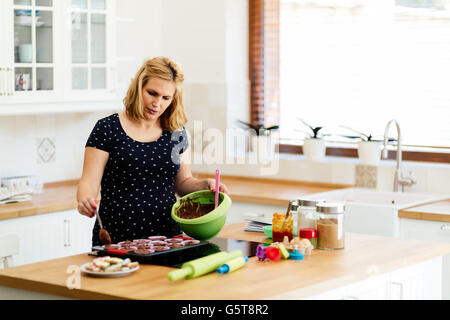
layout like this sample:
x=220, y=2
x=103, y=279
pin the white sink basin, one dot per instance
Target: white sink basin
x=399, y=200
x=375, y=211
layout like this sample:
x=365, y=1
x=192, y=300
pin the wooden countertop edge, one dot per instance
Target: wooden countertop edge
x=295, y=183
x=427, y=216
x=53, y=289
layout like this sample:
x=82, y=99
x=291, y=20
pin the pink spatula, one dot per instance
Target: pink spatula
x=216, y=202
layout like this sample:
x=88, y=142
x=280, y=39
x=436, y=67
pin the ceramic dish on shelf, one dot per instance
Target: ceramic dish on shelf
x=26, y=21
x=103, y=274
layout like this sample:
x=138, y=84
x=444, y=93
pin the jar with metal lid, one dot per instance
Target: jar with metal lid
x=294, y=214
x=330, y=226
x=307, y=216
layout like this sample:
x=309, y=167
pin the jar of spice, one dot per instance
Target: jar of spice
x=330, y=226
x=310, y=234
x=294, y=214
x=307, y=216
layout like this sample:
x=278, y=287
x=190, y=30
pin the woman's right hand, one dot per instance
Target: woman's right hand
x=87, y=206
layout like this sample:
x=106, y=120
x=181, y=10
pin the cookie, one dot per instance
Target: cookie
x=143, y=251
x=126, y=242
x=111, y=246
x=114, y=268
x=157, y=238
x=161, y=248
x=158, y=243
x=174, y=240
x=141, y=241
x=193, y=241
x=114, y=260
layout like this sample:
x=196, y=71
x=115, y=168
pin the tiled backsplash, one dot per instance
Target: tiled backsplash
x=50, y=145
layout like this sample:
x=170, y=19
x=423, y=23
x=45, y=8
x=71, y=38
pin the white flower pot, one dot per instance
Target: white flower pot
x=263, y=146
x=369, y=152
x=314, y=149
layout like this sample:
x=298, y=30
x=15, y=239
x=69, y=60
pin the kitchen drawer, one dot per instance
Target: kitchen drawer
x=433, y=231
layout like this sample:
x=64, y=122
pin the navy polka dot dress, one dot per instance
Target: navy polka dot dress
x=138, y=183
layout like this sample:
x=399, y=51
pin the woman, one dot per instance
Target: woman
x=139, y=157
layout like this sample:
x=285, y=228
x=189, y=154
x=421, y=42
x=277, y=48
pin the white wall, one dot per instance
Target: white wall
x=209, y=39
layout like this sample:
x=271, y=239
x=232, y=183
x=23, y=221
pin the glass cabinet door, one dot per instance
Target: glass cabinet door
x=33, y=45
x=88, y=52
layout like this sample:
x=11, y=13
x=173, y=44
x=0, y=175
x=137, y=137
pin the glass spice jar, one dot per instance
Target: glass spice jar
x=294, y=215
x=283, y=224
x=330, y=226
x=307, y=216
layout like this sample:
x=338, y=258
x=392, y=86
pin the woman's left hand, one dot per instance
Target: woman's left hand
x=211, y=185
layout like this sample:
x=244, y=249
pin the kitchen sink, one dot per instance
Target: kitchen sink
x=375, y=211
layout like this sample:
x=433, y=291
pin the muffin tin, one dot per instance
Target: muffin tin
x=159, y=250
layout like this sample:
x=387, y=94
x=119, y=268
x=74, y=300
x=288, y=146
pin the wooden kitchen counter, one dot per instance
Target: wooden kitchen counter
x=62, y=196
x=56, y=197
x=436, y=211
x=286, y=279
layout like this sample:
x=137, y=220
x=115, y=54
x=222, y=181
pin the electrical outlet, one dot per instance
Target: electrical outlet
x=366, y=176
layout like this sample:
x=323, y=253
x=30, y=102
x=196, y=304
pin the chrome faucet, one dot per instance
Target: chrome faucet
x=399, y=179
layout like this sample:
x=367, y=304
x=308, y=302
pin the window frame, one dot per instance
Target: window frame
x=259, y=109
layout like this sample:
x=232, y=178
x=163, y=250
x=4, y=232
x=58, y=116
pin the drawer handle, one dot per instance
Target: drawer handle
x=350, y=298
x=445, y=227
x=67, y=233
x=401, y=288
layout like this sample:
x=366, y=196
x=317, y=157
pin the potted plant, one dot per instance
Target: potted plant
x=369, y=149
x=260, y=138
x=313, y=146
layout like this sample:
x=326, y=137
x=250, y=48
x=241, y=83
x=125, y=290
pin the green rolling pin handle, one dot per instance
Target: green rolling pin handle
x=179, y=273
x=201, y=266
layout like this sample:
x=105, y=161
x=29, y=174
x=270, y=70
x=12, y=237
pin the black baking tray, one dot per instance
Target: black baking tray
x=174, y=257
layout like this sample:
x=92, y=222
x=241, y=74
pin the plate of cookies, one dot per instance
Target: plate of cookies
x=110, y=267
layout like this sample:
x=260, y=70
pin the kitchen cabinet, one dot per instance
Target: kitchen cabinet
x=56, y=52
x=420, y=281
x=50, y=236
x=433, y=231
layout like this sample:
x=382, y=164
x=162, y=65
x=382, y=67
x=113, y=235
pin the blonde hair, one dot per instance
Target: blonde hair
x=163, y=68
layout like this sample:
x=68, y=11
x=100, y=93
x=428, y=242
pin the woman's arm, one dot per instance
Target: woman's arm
x=185, y=183
x=89, y=185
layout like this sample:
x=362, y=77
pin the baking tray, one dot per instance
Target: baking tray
x=174, y=257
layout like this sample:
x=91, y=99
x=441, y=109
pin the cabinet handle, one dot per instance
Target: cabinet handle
x=401, y=288
x=3, y=81
x=10, y=79
x=350, y=298
x=67, y=233
x=445, y=227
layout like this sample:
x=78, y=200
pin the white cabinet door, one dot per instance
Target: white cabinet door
x=50, y=236
x=31, y=44
x=57, y=51
x=90, y=65
x=422, y=281
x=432, y=231
x=77, y=233
x=373, y=288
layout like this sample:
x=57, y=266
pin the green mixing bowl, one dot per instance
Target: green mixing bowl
x=208, y=225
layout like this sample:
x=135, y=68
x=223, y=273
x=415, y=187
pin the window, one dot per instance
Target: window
x=360, y=63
